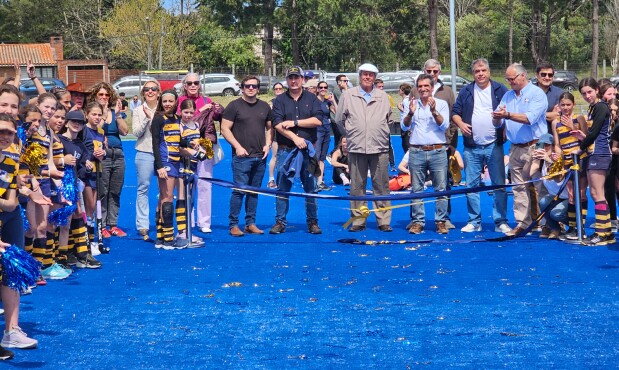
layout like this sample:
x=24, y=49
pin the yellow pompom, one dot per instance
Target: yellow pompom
x=208, y=147
x=33, y=157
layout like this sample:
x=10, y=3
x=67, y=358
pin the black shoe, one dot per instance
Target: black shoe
x=385, y=228
x=71, y=259
x=356, y=228
x=278, y=228
x=88, y=262
x=5, y=354
x=313, y=228
x=597, y=240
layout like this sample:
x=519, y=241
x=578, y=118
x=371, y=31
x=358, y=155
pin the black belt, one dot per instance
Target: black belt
x=426, y=148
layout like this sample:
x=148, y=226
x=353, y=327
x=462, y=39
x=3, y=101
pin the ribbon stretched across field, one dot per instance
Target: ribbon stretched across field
x=406, y=196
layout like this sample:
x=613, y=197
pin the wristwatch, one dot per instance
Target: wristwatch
x=296, y=123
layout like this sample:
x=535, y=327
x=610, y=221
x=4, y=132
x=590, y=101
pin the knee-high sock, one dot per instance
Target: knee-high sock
x=28, y=244
x=181, y=219
x=159, y=225
x=38, y=252
x=81, y=238
x=91, y=229
x=49, y=247
x=602, y=218
x=167, y=217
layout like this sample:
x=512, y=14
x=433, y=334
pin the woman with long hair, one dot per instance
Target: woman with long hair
x=206, y=113
x=596, y=142
x=144, y=158
x=165, y=131
x=113, y=165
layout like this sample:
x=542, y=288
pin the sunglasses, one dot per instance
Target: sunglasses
x=432, y=71
x=512, y=79
x=251, y=86
x=344, y=81
x=194, y=83
x=544, y=74
x=323, y=87
x=7, y=132
x=103, y=95
x=150, y=88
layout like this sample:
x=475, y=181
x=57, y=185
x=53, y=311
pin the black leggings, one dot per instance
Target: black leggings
x=610, y=191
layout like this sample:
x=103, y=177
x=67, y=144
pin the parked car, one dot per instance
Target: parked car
x=460, y=81
x=27, y=87
x=353, y=78
x=393, y=80
x=414, y=73
x=131, y=85
x=217, y=84
x=566, y=80
x=615, y=80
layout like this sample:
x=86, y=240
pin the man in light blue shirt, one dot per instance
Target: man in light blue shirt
x=523, y=112
x=427, y=119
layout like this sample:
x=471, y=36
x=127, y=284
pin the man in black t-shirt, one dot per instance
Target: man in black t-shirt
x=246, y=125
x=124, y=105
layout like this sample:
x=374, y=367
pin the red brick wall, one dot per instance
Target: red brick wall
x=86, y=72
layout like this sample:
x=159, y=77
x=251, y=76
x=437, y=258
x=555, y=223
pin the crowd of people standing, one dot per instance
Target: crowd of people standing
x=78, y=134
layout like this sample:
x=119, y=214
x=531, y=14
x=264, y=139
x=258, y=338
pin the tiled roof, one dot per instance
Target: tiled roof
x=39, y=54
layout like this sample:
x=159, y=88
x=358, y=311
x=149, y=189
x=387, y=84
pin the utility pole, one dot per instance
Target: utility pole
x=161, y=45
x=150, y=46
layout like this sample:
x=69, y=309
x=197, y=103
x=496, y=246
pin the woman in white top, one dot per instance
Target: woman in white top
x=144, y=159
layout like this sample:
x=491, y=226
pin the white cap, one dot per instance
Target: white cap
x=368, y=68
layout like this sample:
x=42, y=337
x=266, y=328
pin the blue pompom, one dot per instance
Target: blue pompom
x=61, y=216
x=68, y=188
x=21, y=134
x=19, y=269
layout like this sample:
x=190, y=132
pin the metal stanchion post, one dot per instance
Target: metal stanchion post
x=575, y=177
x=187, y=177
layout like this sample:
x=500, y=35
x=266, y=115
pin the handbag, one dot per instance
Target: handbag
x=218, y=153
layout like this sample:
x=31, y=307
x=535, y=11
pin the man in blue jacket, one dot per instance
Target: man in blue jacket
x=483, y=143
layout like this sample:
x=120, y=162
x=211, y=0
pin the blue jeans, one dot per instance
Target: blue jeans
x=309, y=185
x=556, y=215
x=245, y=171
x=145, y=167
x=490, y=155
x=419, y=163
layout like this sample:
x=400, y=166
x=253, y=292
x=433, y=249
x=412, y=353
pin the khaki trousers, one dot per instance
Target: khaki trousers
x=378, y=164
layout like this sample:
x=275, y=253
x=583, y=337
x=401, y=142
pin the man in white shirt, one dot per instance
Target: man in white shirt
x=483, y=143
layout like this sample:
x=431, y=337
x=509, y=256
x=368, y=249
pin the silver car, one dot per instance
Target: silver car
x=217, y=84
x=131, y=85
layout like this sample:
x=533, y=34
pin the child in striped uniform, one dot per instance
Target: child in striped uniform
x=192, y=152
x=566, y=144
x=165, y=130
x=94, y=140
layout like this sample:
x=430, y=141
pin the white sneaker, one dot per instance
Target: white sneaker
x=94, y=249
x=206, y=230
x=502, y=228
x=16, y=338
x=469, y=228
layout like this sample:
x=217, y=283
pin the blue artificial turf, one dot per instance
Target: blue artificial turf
x=306, y=301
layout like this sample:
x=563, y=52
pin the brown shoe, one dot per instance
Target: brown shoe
x=253, y=229
x=516, y=231
x=143, y=232
x=415, y=228
x=313, y=228
x=441, y=227
x=554, y=234
x=545, y=232
x=385, y=228
x=235, y=231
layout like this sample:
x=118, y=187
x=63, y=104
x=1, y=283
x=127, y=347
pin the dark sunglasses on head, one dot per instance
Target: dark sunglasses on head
x=251, y=86
x=151, y=88
x=195, y=83
x=544, y=74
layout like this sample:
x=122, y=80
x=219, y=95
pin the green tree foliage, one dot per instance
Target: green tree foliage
x=29, y=21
